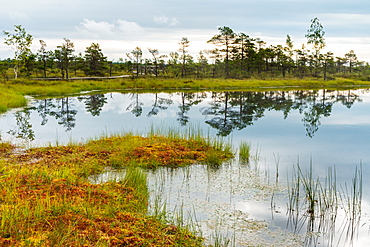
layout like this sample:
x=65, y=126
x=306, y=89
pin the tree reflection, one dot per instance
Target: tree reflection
x=23, y=129
x=234, y=110
x=311, y=119
x=279, y=101
x=65, y=114
x=237, y=110
x=187, y=101
x=94, y=103
x=136, y=106
x=224, y=111
x=61, y=109
x=44, y=108
x=347, y=98
x=160, y=103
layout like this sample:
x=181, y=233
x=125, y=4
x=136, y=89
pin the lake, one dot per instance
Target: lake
x=244, y=204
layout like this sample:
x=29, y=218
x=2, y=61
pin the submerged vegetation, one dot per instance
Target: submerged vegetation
x=48, y=200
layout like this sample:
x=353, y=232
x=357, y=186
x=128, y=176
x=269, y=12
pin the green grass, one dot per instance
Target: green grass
x=244, y=152
x=11, y=99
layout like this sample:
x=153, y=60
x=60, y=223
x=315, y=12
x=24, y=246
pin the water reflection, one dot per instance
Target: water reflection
x=225, y=112
x=94, y=103
x=61, y=109
x=160, y=103
x=23, y=128
x=187, y=101
x=248, y=208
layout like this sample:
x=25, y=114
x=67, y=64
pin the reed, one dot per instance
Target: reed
x=219, y=240
x=137, y=178
x=315, y=202
x=244, y=152
x=351, y=199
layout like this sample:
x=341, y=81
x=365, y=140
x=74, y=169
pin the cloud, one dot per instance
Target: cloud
x=96, y=29
x=103, y=29
x=161, y=19
x=129, y=27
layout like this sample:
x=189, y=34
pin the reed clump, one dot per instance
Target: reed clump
x=316, y=203
x=244, y=152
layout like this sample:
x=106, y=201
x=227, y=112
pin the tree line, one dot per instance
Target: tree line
x=236, y=55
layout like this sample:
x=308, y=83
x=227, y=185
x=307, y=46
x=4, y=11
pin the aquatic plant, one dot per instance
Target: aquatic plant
x=315, y=202
x=244, y=152
x=351, y=199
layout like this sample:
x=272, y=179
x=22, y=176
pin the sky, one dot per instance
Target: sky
x=121, y=25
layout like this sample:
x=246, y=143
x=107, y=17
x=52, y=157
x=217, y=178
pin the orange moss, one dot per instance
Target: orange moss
x=122, y=228
x=47, y=200
x=169, y=154
x=6, y=147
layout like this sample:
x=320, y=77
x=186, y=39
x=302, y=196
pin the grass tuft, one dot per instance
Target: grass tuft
x=244, y=152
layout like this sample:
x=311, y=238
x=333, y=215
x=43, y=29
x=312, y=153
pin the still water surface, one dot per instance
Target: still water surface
x=323, y=128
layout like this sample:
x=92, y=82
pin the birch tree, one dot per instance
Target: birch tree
x=20, y=42
x=315, y=37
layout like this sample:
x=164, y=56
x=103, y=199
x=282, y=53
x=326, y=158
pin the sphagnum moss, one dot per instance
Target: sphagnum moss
x=48, y=200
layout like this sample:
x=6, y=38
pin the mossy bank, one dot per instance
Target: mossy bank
x=47, y=198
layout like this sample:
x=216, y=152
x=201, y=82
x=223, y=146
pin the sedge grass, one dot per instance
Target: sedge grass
x=244, y=152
